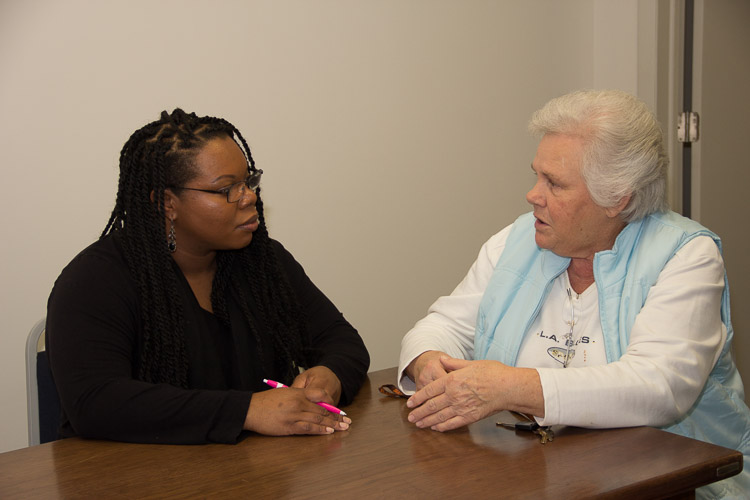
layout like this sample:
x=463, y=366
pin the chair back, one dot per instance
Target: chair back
x=42, y=401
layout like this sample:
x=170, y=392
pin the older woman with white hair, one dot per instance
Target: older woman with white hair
x=601, y=308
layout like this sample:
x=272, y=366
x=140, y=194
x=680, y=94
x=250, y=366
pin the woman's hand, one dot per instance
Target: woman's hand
x=290, y=410
x=473, y=390
x=426, y=367
x=320, y=377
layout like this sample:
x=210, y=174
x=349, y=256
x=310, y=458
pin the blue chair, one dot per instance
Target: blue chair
x=42, y=401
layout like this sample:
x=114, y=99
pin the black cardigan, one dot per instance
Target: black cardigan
x=93, y=324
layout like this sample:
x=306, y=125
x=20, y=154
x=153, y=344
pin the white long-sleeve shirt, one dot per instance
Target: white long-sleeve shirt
x=674, y=343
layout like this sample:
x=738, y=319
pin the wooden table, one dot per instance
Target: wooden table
x=380, y=456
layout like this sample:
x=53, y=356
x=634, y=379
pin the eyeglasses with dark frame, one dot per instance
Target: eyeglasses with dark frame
x=234, y=192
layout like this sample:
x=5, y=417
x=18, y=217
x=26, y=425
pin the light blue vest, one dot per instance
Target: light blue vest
x=623, y=275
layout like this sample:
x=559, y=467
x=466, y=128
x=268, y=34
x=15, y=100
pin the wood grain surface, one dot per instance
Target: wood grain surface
x=382, y=455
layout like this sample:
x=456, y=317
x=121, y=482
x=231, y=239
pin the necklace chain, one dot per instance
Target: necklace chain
x=569, y=342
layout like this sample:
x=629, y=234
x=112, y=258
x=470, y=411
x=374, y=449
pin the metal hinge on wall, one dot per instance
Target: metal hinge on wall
x=687, y=126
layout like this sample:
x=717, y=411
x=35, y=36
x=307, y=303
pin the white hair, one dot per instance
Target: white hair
x=623, y=152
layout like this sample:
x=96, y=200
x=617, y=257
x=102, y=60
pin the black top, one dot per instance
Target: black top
x=93, y=320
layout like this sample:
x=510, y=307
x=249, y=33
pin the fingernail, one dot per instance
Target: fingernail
x=409, y=403
x=347, y=420
x=410, y=418
x=329, y=430
x=343, y=425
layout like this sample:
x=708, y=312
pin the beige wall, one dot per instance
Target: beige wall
x=721, y=165
x=392, y=133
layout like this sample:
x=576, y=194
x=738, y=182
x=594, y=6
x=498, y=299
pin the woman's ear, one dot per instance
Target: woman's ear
x=615, y=211
x=170, y=203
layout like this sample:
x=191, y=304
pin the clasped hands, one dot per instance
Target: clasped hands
x=293, y=410
x=454, y=392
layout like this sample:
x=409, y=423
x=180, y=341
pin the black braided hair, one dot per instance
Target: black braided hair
x=162, y=154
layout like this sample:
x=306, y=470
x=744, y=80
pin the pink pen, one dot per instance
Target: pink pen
x=279, y=385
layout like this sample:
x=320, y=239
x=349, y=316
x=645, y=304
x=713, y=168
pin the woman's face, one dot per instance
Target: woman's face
x=568, y=222
x=206, y=222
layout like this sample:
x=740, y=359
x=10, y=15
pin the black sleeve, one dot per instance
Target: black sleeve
x=334, y=342
x=93, y=315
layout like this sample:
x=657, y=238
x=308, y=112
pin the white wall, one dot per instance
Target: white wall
x=392, y=133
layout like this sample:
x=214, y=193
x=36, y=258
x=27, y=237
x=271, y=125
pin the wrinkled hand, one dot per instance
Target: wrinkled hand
x=473, y=390
x=320, y=377
x=280, y=412
x=426, y=367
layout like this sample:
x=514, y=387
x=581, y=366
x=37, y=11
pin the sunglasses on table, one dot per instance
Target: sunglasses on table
x=525, y=422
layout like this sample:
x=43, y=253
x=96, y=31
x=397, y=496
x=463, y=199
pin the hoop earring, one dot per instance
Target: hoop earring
x=171, y=238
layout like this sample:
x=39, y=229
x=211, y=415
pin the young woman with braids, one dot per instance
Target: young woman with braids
x=163, y=330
